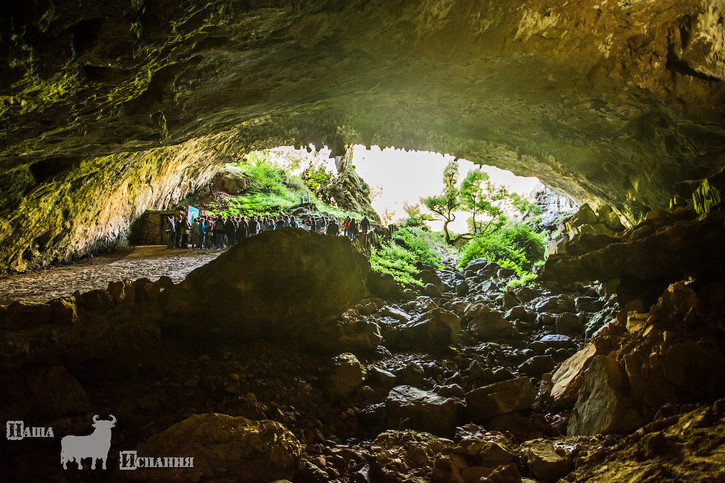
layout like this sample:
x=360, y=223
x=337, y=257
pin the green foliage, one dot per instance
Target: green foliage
x=706, y=198
x=524, y=205
x=265, y=176
x=415, y=217
x=318, y=180
x=272, y=190
x=416, y=241
x=399, y=256
x=480, y=196
x=396, y=261
x=527, y=278
x=513, y=246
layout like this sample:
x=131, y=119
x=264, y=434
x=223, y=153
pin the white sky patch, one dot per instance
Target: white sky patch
x=402, y=177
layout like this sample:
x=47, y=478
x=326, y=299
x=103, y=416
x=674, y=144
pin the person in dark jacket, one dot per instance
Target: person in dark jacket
x=242, y=229
x=230, y=230
x=253, y=226
x=332, y=228
x=364, y=225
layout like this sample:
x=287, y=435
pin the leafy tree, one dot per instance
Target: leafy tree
x=445, y=204
x=415, y=217
x=480, y=196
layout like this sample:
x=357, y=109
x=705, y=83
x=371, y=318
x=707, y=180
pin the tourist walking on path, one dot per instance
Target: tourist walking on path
x=201, y=231
x=195, y=232
x=353, y=229
x=219, y=232
x=346, y=226
x=364, y=225
x=253, y=227
x=332, y=228
x=242, y=229
x=230, y=229
x=170, y=231
x=184, y=242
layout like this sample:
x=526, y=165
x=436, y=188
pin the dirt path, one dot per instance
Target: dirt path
x=94, y=273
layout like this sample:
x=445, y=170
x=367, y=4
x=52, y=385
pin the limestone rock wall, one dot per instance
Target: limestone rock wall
x=609, y=102
x=46, y=219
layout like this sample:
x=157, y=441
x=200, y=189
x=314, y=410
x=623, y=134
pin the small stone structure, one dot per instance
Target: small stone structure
x=150, y=228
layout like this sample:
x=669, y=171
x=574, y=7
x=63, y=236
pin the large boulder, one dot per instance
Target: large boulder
x=24, y=314
x=603, y=405
x=231, y=179
x=412, y=408
x=500, y=398
x=54, y=392
x=569, y=376
x=224, y=448
x=437, y=327
x=281, y=283
x=547, y=460
x=488, y=324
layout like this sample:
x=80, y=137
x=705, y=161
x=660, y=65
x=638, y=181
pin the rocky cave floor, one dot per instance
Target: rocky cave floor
x=453, y=392
x=150, y=261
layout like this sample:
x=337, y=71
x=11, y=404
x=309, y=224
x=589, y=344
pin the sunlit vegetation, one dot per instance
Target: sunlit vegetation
x=407, y=247
x=513, y=245
x=273, y=189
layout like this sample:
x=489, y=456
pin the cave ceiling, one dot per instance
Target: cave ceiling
x=609, y=101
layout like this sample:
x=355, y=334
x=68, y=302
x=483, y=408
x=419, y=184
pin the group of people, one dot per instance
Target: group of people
x=206, y=231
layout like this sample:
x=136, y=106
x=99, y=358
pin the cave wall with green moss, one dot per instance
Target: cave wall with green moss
x=609, y=101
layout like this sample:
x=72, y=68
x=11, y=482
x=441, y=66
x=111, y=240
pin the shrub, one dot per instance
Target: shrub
x=513, y=246
x=399, y=256
x=416, y=241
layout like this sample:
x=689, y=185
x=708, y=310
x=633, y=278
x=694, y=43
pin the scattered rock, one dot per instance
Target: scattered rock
x=383, y=285
x=406, y=455
x=588, y=304
x=547, y=460
x=225, y=448
x=537, y=365
x=346, y=375
x=488, y=324
x=552, y=340
x=145, y=291
x=522, y=426
x=121, y=291
x=462, y=288
x=556, y=305
x=569, y=323
x=381, y=377
x=437, y=327
x=348, y=334
x=516, y=313
x=94, y=301
x=431, y=290
x=63, y=310
x=500, y=398
x=476, y=265
x=411, y=408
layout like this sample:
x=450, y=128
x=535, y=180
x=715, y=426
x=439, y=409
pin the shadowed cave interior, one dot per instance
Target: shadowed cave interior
x=608, y=367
